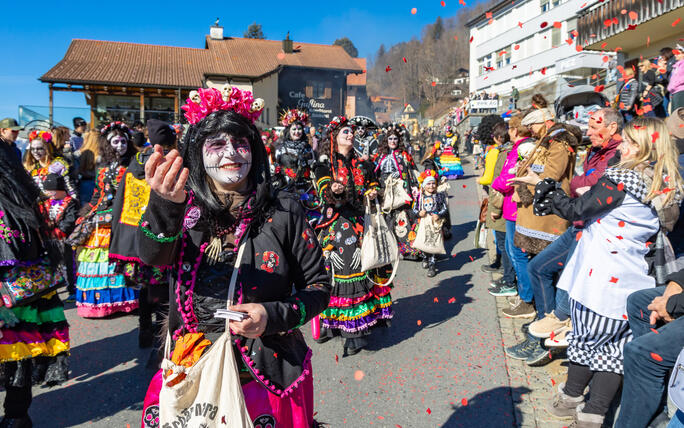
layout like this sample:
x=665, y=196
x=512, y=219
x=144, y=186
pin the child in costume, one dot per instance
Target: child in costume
x=60, y=212
x=430, y=203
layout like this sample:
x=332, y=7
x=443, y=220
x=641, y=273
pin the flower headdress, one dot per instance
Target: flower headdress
x=425, y=174
x=43, y=135
x=113, y=126
x=203, y=102
x=288, y=117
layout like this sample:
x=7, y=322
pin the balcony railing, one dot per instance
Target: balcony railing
x=605, y=19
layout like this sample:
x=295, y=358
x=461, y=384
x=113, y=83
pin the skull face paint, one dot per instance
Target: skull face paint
x=227, y=159
x=38, y=150
x=119, y=143
x=296, y=132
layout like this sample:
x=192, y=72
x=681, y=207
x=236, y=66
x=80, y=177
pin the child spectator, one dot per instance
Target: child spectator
x=60, y=212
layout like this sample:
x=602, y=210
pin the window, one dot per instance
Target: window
x=544, y=5
x=555, y=36
x=556, y=3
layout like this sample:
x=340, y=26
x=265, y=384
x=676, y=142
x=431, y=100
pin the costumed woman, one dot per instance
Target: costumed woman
x=365, y=142
x=100, y=291
x=394, y=163
x=40, y=160
x=129, y=204
x=294, y=159
x=344, y=181
x=34, y=332
x=211, y=211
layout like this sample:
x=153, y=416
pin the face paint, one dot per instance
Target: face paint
x=296, y=132
x=38, y=150
x=392, y=142
x=345, y=138
x=120, y=144
x=227, y=160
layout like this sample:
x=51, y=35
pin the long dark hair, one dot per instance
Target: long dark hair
x=383, y=147
x=286, y=132
x=259, y=174
x=107, y=152
x=325, y=144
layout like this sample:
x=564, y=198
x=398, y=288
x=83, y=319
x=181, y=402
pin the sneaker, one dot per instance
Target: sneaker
x=71, y=298
x=431, y=271
x=513, y=301
x=503, y=290
x=522, y=310
x=541, y=355
x=499, y=282
x=522, y=350
x=491, y=268
x=548, y=325
x=557, y=341
x=564, y=406
x=425, y=264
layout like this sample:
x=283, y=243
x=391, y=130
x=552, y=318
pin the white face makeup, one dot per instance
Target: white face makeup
x=392, y=141
x=38, y=150
x=345, y=138
x=227, y=160
x=120, y=144
x=296, y=132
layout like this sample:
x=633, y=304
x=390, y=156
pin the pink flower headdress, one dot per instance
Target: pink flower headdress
x=203, y=102
x=42, y=135
x=291, y=116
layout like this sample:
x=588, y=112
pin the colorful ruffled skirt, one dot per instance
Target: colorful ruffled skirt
x=100, y=291
x=35, y=350
x=356, y=304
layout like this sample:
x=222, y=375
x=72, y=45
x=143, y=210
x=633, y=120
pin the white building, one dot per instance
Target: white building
x=524, y=43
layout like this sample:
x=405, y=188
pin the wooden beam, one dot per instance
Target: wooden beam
x=51, y=107
x=176, y=107
x=142, y=105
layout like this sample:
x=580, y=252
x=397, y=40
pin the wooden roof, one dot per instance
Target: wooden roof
x=134, y=64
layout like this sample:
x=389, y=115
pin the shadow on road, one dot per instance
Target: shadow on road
x=423, y=307
x=490, y=408
x=94, y=393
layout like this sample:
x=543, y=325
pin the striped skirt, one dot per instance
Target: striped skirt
x=597, y=341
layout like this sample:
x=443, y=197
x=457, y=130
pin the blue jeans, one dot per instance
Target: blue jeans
x=519, y=260
x=645, y=378
x=543, y=269
x=509, y=272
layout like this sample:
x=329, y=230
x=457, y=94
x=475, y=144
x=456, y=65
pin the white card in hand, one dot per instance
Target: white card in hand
x=231, y=315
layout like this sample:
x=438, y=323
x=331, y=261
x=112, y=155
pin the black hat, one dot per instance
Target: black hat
x=161, y=133
x=138, y=139
x=79, y=121
x=54, y=182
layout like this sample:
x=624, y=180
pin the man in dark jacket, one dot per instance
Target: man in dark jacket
x=627, y=97
x=9, y=131
x=655, y=317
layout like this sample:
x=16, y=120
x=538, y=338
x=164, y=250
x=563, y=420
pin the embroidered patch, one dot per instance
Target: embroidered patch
x=308, y=236
x=265, y=421
x=350, y=240
x=345, y=226
x=136, y=197
x=151, y=416
x=329, y=213
x=191, y=217
x=270, y=261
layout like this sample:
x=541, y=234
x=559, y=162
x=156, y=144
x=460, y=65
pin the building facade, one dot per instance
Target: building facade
x=526, y=43
x=130, y=81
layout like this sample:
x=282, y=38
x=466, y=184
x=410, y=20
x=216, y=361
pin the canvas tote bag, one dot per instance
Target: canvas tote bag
x=429, y=237
x=211, y=394
x=395, y=196
x=379, y=247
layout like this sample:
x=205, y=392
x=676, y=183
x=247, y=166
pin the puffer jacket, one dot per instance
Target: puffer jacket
x=500, y=183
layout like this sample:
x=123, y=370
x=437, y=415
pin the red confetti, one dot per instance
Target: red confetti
x=579, y=48
x=633, y=15
x=543, y=71
x=553, y=382
x=443, y=3
x=516, y=47
x=419, y=322
x=388, y=69
x=358, y=375
x=337, y=359
x=519, y=24
x=275, y=355
x=676, y=21
x=620, y=186
x=434, y=83
x=488, y=15
x=599, y=88
x=461, y=2
x=569, y=41
x=613, y=280
x=471, y=39
x=654, y=136
x=436, y=300
x=656, y=357
x=543, y=24
x=621, y=223
x=557, y=24
x=624, y=316
x=464, y=186
x=620, y=237
x=452, y=300
x=654, y=331
x=590, y=271
x=464, y=401
x=403, y=59
x=578, y=236
x=631, y=27
x=609, y=199
x=414, y=11
x=471, y=258
x=429, y=412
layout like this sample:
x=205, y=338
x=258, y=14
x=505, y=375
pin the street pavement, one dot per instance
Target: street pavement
x=440, y=364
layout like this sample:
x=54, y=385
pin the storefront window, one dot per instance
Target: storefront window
x=127, y=108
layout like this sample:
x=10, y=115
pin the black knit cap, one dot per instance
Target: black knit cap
x=54, y=182
x=161, y=133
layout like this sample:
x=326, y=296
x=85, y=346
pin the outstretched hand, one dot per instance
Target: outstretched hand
x=166, y=175
x=531, y=178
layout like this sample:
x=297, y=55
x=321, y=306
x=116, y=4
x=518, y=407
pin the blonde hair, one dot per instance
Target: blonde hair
x=89, y=151
x=30, y=163
x=651, y=135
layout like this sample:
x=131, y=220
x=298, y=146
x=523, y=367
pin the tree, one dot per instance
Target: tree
x=348, y=46
x=437, y=29
x=254, y=31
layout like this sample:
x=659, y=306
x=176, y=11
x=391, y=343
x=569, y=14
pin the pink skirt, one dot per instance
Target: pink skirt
x=266, y=410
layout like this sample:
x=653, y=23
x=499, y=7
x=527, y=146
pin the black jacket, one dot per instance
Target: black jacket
x=675, y=304
x=279, y=255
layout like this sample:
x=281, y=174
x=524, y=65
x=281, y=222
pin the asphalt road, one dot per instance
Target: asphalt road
x=440, y=364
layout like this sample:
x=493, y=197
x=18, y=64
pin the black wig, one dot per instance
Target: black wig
x=383, y=148
x=486, y=127
x=108, y=153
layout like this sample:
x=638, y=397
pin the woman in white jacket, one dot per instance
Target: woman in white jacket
x=622, y=214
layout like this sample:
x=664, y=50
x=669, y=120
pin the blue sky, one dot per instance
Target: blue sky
x=35, y=35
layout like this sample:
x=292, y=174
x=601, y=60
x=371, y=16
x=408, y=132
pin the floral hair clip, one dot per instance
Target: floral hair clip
x=203, y=102
x=113, y=126
x=43, y=135
x=288, y=117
